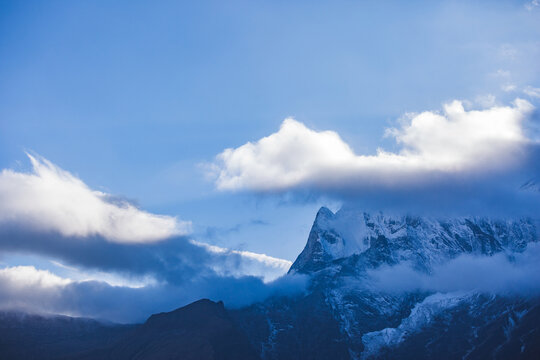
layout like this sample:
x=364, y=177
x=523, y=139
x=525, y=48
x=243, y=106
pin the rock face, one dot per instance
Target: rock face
x=353, y=321
x=371, y=240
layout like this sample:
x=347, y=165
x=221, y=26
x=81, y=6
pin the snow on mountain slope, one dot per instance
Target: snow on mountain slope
x=421, y=315
x=377, y=239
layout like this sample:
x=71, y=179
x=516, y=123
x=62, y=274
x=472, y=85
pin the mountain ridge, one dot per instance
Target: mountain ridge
x=425, y=241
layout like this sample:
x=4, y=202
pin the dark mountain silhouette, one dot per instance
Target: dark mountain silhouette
x=27, y=336
x=201, y=330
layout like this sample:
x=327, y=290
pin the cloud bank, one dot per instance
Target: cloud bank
x=501, y=273
x=52, y=214
x=51, y=199
x=29, y=289
x=431, y=144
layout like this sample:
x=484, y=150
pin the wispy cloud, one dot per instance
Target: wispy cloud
x=531, y=5
x=532, y=92
x=267, y=267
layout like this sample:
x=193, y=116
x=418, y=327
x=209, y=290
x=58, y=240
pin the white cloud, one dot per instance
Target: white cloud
x=509, y=87
x=532, y=92
x=51, y=199
x=500, y=73
x=34, y=290
x=247, y=263
x=486, y=101
x=507, y=51
x=29, y=289
x=29, y=276
x=531, y=5
x=110, y=278
x=454, y=141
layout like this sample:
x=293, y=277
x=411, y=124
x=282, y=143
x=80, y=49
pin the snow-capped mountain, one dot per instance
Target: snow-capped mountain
x=361, y=240
x=342, y=318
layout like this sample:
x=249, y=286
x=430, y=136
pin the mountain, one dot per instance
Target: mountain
x=343, y=318
x=354, y=241
x=199, y=331
x=29, y=336
x=344, y=313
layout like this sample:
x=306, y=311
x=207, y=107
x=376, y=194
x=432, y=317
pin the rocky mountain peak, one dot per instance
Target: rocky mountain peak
x=374, y=239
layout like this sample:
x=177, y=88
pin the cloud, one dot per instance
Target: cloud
x=432, y=144
x=500, y=73
x=532, y=92
x=241, y=262
x=123, y=263
x=51, y=199
x=486, y=101
x=508, y=87
x=174, y=260
x=52, y=213
x=501, y=273
x=531, y=5
x=128, y=282
x=28, y=276
x=29, y=289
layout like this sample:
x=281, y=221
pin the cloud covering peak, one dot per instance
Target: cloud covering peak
x=52, y=199
x=455, y=141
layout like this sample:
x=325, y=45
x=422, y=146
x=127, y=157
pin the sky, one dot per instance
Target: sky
x=214, y=131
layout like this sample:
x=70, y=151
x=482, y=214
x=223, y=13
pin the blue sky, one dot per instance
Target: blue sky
x=132, y=98
x=138, y=98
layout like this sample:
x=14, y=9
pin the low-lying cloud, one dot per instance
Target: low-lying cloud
x=433, y=145
x=518, y=273
x=29, y=289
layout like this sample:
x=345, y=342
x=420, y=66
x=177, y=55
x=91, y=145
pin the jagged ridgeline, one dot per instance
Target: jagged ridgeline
x=381, y=287
x=354, y=240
